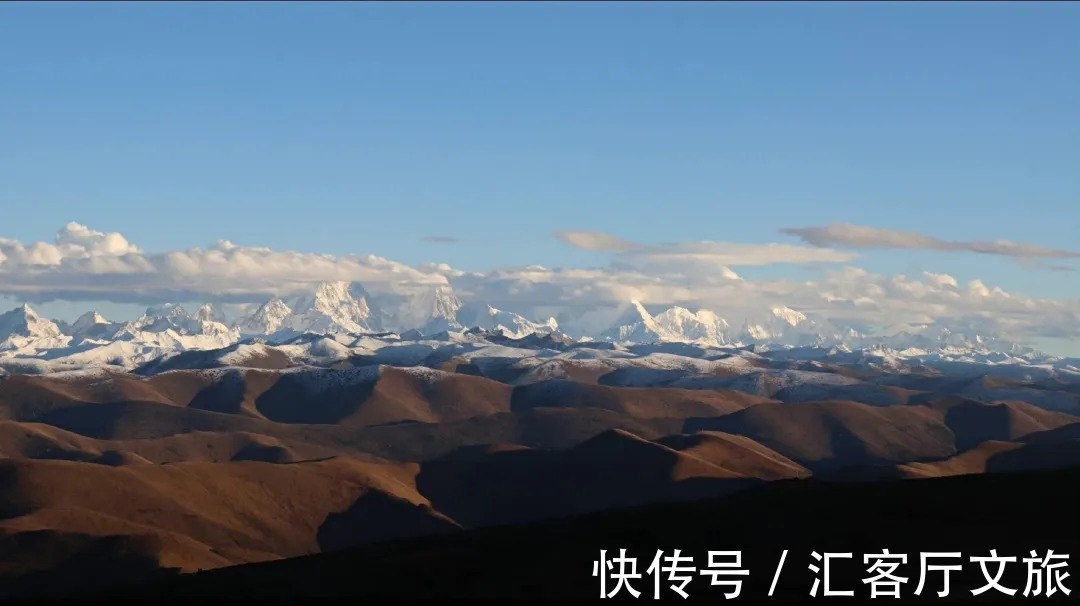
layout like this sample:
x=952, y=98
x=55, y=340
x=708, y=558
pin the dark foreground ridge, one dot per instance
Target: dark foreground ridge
x=1013, y=513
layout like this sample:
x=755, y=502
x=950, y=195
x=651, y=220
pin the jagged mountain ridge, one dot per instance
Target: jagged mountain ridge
x=344, y=308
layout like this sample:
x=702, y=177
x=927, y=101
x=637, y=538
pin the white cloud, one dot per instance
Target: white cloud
x=942, y=280
x=595, y=240
x=76, y=235
x=703, y=255
x=87, y=264
x=860, y=236
x=699, y=258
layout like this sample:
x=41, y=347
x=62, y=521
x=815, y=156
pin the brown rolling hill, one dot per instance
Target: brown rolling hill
x=200, y=515
x=638, y=402
x=39, y=441
x=1007, y=436
x=360, y=397
x=542, y=427
x=974, y=460
x=380, y=396
x=257, y=356
x=231, y=391
x=994, y=456
x=411, y=414
x=189, y=469
x=393, y=413
x=483, y=486
x=738, y=454
x=825, y=435
x=830, y=435
x=975, y=422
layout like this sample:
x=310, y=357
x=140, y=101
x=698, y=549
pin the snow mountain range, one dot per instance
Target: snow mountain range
x=343, y=308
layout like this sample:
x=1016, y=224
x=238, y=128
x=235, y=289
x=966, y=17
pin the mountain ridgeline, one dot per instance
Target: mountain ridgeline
x=343, y=308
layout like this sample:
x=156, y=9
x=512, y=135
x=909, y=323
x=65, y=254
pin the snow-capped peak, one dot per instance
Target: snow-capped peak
x=166, y=310
x=444, y=303
x=634, y=312
x=159, y=318
x=210, y=313
x=23, y=321
x=331, y=307
x=88, y=320
x=703, y=327
x=788, y=315
x=513, y=325
x=431, y=310
x=92, y=325
x=635, y=323
x=170, y=325
x=266, y=320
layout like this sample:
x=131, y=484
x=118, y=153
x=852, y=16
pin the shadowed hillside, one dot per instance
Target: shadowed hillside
x=1013, y=513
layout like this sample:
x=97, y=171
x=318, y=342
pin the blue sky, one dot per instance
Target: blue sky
x=354, y=128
